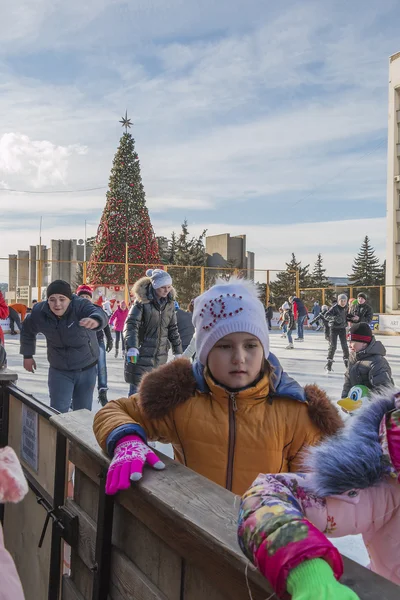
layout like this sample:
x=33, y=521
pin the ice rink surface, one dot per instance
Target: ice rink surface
x=305, y=363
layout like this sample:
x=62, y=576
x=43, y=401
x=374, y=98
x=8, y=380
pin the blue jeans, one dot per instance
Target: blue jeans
x=300, y=327
x=102, y=368
x=289, y=336
x=284, y=328
x=132, y=389
x=76, y=387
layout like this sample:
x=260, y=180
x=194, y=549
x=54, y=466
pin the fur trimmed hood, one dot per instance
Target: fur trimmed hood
x=354, y=458
x=179, y=381
x=144, y=293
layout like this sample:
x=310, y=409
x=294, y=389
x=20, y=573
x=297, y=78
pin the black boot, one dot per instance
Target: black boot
x=328, y=366
x=346, y=362
x=103, y=397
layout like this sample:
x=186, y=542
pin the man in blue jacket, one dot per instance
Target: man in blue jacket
x=69, y=324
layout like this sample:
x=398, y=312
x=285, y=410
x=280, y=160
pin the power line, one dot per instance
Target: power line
x=317, y=187
x=103, y=187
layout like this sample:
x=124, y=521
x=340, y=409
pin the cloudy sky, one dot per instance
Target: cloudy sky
x=251, y=116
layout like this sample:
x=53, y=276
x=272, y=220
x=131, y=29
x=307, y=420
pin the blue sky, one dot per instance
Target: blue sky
x=252, y=117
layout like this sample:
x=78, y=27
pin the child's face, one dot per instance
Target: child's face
x=342, y=302
x=236, y=360
x=357, y=346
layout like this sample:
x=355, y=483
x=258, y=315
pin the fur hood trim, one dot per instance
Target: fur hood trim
x=353, y=459
x=143, y=291
x=178, y=383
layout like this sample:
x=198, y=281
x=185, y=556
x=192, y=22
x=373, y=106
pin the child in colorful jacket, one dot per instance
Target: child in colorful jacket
x=351, y=487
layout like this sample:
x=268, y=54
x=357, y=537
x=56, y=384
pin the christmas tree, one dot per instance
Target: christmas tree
x=125, y=222
x=366, y=268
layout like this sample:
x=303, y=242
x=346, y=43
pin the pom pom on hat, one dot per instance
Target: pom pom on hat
x=159, y=278
x=228, y=307
x=84, y=289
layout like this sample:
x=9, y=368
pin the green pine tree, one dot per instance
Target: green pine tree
x=125, y=219
x=285, y=282
x=366, y=269
x=187, y=251
x=318, y=277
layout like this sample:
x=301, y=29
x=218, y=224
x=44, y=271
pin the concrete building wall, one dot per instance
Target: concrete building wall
x=225, y=249
x=392, y=296
x=250, y=265
x=12, y=272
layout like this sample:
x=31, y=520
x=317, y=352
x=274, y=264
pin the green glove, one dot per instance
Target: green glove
x=314, y=580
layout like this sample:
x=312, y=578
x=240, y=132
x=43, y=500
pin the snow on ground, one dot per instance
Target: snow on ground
x=305, y=364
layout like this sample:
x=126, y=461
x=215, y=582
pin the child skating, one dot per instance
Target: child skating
x=289, y=322
x=336, y=318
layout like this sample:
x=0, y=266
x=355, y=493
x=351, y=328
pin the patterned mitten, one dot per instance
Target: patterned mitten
x=314, y=580
x=130, y=456
x=132, y=355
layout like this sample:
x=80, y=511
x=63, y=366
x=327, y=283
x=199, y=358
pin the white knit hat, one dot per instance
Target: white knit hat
x=159, y=278
x=228, y=307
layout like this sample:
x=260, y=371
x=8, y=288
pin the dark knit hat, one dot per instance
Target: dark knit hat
x=360, y=332
x=362, y=295
x=59, y=287
x=84, y=289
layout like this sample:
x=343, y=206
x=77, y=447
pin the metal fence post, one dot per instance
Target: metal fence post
x=267, y=290
x=297, y=283
x=84, y=270
x=202, y=279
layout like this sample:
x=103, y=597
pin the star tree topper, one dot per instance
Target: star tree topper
x=127, y=123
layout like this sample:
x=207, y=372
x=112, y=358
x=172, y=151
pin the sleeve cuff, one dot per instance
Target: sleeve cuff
x=122, y=431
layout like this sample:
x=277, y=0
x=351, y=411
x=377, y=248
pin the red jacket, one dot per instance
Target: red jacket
x=3, y=315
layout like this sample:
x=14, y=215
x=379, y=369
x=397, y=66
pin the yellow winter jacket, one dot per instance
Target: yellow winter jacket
x=228, y=437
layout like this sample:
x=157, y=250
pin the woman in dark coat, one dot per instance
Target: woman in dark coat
x=150, y=325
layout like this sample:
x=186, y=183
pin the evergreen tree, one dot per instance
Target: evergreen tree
x=382, y=274
x=285, y=282
x=188, y=251
x=366, y=267
x=125, y=219
x=318, y=277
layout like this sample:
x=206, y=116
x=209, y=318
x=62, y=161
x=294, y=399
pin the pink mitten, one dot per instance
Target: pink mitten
x=130, y=456
x=13, y=485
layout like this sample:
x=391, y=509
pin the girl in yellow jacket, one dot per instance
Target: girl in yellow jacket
x=231, y=415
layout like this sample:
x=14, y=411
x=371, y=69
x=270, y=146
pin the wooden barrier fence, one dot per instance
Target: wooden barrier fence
x=171, y=537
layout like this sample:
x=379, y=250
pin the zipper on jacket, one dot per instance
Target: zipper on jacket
x=231, y=439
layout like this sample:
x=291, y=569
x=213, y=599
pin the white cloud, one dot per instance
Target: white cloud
x=41, y=162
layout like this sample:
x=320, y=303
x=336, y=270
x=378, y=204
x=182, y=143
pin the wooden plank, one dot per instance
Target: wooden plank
x=367, y=584
x=23, y=524
x=129, y=582
x=197, y=586
x=87, y=534
x=7, y=375
x=148, y=552
x=84, y=463
x=46, y=441
x=69, y=591
x=86, y=494
x=81, y=576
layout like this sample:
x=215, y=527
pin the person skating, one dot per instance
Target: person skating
x=300, y=315
x=289, y=322
x=336, y=317
x=321, y=322
x=117, y=320
x=3, y=315
x=185, y=325
x=352, y=486
x=235, y=392
x=367, y=363
x=362, y=312
x=17, y=313
x=85, y=291
x=269, y=314
x=69, y=324
x=150, y=327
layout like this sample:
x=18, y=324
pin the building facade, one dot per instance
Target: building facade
x=392, y=297
x=224, y=250
x=58, y=261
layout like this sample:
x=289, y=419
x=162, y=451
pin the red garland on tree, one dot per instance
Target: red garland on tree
x=125, y=218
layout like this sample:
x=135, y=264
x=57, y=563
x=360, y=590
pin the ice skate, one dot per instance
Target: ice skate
x=289, y=347
x=328, y=366
x=116, y=352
